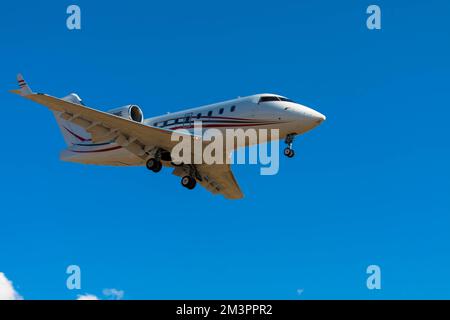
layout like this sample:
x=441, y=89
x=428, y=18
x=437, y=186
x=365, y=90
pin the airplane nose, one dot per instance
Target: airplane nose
x=315, y=116
x=320, y=117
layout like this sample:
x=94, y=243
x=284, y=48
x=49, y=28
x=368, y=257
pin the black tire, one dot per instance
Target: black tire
x=150, y=163
x=287, y=152
x=185, y=181
x=192, y=184
x=292, y=154
x=157, y=167
x=188, y=182
x=153, y=165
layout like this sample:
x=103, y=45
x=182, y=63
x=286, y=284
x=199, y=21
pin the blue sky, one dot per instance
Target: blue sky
x=369, y=186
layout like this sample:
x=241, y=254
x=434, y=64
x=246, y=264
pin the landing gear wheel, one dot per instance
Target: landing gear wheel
x=158, y=167
x=188, y=182
x=292, y=154
x=153, y=165
x=288, y=152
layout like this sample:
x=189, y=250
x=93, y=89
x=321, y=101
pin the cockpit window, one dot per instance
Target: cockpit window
x=273, y=98
x=268, y=98
x=287, y=100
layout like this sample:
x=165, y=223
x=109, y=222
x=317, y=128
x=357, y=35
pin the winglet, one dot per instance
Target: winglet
x=24, y=88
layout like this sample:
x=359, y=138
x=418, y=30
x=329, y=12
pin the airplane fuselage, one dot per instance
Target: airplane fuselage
x=261, y=111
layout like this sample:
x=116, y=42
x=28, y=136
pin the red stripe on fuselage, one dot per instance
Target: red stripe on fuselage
x=220, y=117
x=225, y=125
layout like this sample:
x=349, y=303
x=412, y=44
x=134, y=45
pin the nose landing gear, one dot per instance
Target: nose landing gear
x=288, y=151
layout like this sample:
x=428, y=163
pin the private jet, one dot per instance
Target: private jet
x=123, y=137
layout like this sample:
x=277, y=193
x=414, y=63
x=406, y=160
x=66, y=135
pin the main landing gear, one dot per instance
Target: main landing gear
x=288, y=151
x=154, y=165
x=188, y=182
x=190, y=179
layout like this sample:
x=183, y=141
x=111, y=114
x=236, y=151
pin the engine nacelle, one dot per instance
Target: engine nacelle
x=130, y=112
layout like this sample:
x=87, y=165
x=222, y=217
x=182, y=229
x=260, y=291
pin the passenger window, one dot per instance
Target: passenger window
x=221, y=111
x=232, y=108
x=199, y=115
x=209, y=113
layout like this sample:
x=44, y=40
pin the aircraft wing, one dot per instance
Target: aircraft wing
x=136, y=137
x=100, y=123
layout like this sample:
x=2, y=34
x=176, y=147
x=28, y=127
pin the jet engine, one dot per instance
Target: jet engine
x=130, y=112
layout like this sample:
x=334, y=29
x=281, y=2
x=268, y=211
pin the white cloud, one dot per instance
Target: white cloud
x=7, y=291
x=113, y=294
x=87, y=297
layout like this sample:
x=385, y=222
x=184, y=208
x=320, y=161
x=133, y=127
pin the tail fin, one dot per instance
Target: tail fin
x=24, y=88
x=72, y=133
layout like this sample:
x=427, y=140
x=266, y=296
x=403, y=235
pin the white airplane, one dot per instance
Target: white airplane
x=122, y=137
